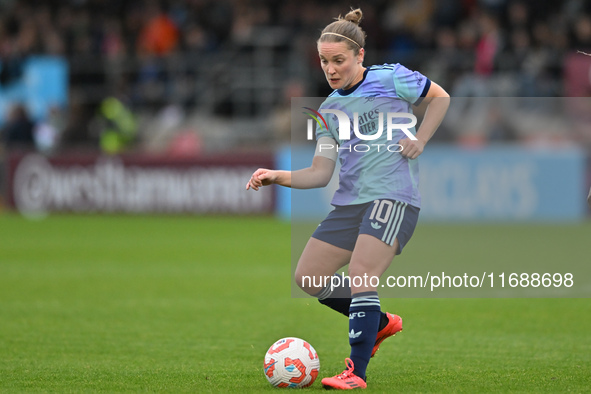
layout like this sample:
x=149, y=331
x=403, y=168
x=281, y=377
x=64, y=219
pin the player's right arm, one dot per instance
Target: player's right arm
x=317, y=175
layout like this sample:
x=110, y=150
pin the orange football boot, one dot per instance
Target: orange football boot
x=393, y=327
x=346, y=380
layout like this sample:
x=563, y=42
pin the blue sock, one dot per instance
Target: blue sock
x=364, y=319
x=338, y=297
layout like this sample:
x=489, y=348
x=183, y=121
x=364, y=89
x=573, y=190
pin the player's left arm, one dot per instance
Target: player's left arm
x=437, y=101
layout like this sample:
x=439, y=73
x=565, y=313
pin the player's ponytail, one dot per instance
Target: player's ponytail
x=346, y=30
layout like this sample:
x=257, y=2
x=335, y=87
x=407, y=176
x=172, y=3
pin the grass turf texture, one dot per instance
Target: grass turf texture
x=191, y=304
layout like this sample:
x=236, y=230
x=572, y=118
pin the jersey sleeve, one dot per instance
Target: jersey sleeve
x=324, y=124
x=322, y=129
x=412, y=86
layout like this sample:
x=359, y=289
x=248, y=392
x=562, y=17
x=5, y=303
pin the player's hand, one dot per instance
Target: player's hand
x=261, y=177
x=411, y=149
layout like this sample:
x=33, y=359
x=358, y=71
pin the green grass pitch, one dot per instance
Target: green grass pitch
x=191, y=304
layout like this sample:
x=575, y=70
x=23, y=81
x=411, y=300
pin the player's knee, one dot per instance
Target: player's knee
x=304, y=282
x=299, y=278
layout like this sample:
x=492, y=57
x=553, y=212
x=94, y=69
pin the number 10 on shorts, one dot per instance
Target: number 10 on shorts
x=381, y=210
x=386, y=218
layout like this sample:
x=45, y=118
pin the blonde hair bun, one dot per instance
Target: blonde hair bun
x=354, y=16
x=346, y=30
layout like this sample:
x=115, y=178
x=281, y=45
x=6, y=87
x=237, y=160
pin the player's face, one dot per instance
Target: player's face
x=341, y=66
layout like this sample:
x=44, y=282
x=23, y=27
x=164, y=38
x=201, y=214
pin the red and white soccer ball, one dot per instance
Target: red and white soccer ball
x=291, y=362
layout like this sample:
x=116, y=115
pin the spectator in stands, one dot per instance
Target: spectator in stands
x=118, y=125
x=17, y=133
x=160, y=35
x=524, y=41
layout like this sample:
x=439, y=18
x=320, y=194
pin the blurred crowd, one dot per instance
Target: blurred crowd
x=173, y=57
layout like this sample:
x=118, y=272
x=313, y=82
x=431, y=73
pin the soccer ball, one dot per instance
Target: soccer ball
x=291, y=362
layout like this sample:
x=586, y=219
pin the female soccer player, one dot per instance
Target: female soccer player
x=377, y=203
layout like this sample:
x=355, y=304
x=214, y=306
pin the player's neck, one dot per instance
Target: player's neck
x=357, y=79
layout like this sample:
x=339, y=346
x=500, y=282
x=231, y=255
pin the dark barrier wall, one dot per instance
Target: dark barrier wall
x=136, y=184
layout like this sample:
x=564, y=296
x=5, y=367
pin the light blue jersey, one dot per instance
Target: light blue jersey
x=373, y=168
